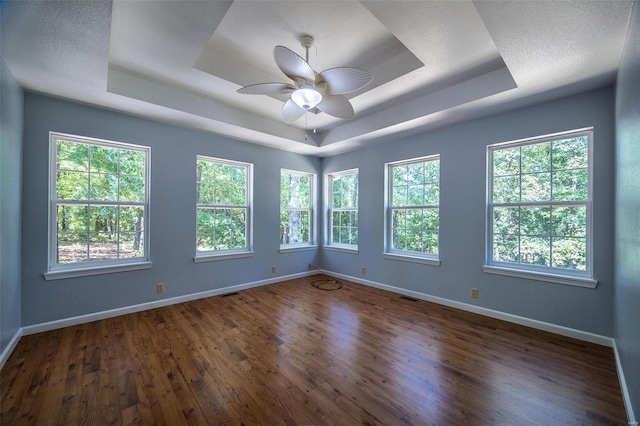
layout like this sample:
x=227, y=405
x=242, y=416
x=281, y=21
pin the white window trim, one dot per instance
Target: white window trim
x=329, y=211
x=312, y=213
x=344, y=248
x=97, y=270
x=57, y=271
x=407, y=256
x=542, y=273
x=227, y=254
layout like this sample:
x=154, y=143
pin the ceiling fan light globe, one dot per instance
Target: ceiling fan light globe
x=306, y=97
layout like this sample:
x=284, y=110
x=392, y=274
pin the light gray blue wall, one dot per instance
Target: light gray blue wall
x=627, y=249
x=172, y=217
x=10, y=204
x=462, y=150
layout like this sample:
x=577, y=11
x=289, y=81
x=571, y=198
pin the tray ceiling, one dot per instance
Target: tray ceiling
x=433, y=62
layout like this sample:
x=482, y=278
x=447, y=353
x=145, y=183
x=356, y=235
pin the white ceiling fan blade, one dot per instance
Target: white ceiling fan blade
x=292, y=65
x=267, y=89
x=337, y=106
x=291, y=112
x=345, y=80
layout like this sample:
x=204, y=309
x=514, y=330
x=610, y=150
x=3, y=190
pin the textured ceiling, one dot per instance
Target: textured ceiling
x=433, y=62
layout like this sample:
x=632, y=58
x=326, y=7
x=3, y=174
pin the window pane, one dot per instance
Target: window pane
x=415, y=195
x=103, y=246
x=536, y=158
x=431, y=242
x=131, y=231
x=432, y=195
x=72, y=185
x=335, y=234
x=72, y=247
x=536, y=187
x=131, y=245
x=399, y=175
x=535, y=221
x=571, y=153
x=570, y=185
x=132, y=163
x=221, y=229
x=205, y=193
x=399, y=239
x=104, y=187
x=415, y=174
x=230, y=185
x=295, y=191
x=353, y=235
x=294, y=227
x=103, y=219
x=354, y=218
x=431, y=219
x=72, y=156
x=337, y=197
x=506, y=220
x=131, y=188
x=506, y=248
x=398, y=219
x=535, y=250
x=506, y=189
x=569, y=221
x=204, y=229
x=131, y=218
x=104, y=159
x=432, y=171
x=570, y=253
x=400, y=196
x=506, y=161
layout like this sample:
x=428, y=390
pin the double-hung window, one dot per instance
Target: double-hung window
x=296, y=209
x=223, y=208
x=343, y=209
x=412, y=218
x=539, y=208
x=99, y=206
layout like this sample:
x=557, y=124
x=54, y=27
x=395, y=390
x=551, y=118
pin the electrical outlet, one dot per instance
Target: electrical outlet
x=363, y=270
x=273, y=269
x=474, y=293
x=160, y=288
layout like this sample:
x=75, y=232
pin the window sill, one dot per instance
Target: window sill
x=85, y=272
x=222, y=256
x=286, y=249
x=343, y=249
x=540, y=276
x=412, y=259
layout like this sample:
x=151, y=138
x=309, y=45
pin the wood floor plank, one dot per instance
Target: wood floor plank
x=289, y=353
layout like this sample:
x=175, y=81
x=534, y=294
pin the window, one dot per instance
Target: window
x=99, y=205
x=223, y=207
x=296, y=209
x=413, y=213
x=343, y=210
x=539, y=206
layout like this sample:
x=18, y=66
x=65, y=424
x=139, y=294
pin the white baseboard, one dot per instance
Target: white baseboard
x=6, y=353
x=81, y=319
x=540, y=325
x=623, y=387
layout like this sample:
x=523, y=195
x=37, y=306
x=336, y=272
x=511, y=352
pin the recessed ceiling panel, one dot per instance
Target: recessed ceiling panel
x=346, y=34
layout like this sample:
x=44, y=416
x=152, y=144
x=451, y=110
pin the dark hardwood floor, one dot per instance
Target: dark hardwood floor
x=289, y=353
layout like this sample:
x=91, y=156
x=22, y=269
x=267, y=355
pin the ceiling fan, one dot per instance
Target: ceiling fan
x=311, y=91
